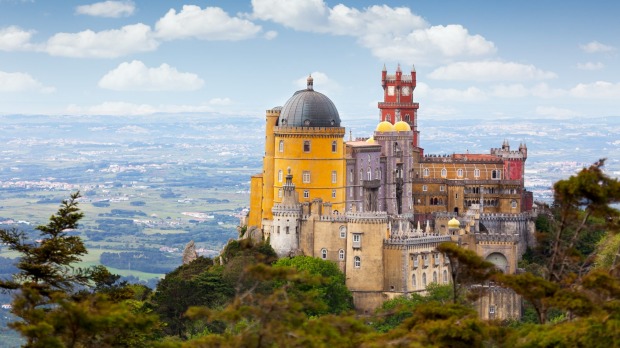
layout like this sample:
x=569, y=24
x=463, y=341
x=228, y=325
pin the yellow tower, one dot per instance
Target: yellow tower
x=309, y=141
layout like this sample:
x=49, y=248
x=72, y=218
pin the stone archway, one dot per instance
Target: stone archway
x=499, y=260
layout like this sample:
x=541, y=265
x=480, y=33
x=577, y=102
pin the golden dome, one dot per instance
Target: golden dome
x=454, y=223
x=384, y=126
x=402, y=126
x=370, y=140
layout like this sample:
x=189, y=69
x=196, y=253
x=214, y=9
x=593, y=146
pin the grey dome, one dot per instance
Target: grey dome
x=308, y=108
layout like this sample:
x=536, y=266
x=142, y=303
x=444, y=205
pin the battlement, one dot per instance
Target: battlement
x=504, y=217
x=367, y=217
x=497, y=237
x=425, y=238
x=294, y=131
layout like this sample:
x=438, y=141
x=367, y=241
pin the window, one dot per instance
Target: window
x=424, y=280
x=288, y=230
x=343, y=232
x=279, y=193
x=369, y=174
x=281, y=146
x=513, y=204
x=306, y=176
x=444, y=172
x=341, y=255
x=495, y=174
x=333, y=193
x=492, y=309
x=334, y=146
x=357, y=240
x=306, y=194
x=445, y=276
x=442, y=188
x=280, y=175
x=435, y=277
x=424, y=188
x=306, y=145
x=379, y=174
x=459, y=173
x=278, y=229
x=324, y=253
x=350, y=191
x=361, y=176
x=357, y=262
x=334, y=177
x=476, y=173
x=413, y=282
x=426, y=172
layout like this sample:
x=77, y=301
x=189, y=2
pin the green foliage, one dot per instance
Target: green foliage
x=467, y=269
x=607, y=251
x=54, y=307
x=332, y=291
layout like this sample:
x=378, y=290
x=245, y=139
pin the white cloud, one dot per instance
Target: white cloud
x=220, y=101
x=590, y=66
x=306, y=15
x=596, y=47
x=15, y=39
x=543, y=90
x=510, y=91
x=103, y=44
x=321, y=82
x=117, y=108
x=135, y=76
x=111, y=9
x=392, y=34
x=212, y=23
x=596, y=90
x=270, y=35
x=21, y=82
x=490, y=71
x=554, y=112
x=471, y=94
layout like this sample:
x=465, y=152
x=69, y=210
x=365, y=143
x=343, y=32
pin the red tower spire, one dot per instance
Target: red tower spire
x=398, y=99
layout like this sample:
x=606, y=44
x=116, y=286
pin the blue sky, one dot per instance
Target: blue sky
x=475, y=59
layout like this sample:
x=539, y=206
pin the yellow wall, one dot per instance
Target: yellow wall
x=267, y=194
x=320, y=161
x=256, y=190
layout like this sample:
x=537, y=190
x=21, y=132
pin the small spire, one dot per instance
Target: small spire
x=412, y=67
x=398, y=67
x=384, y=68
x=310, y=82
x=350, y=135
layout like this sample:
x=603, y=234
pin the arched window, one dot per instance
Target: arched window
x=280, y=175
x=435, y=277
x=459, y=173
x=414, y=282
x=424, y=280
x=334, y=146
x=444, y=172
x=324, y=253
x=426, y=172
x=476, y=173
x=343, y=232
x=306, y=145
x=357, y=262
x=341, y=255
x=351, y=175
x=369, y=174
x=281, y=146
x=407, y=118
x=445, y=276
x=495, y=174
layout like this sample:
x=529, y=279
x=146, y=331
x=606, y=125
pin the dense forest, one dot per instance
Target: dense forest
x=247, y=297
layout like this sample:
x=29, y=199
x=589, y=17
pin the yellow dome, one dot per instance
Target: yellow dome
x=454, y=223
x=384, y=126
x=402, y=126
x=370, y=140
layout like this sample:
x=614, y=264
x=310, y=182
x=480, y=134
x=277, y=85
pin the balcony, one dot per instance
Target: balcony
x=371, y=184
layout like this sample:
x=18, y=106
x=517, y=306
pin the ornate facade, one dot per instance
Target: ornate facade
x=379, y=206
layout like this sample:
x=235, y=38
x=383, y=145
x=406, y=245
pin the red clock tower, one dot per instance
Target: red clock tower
x=398, y=104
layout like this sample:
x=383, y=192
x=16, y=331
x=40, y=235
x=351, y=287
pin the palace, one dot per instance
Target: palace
x=379, y=206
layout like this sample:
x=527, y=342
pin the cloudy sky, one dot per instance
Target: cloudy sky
x=475, y=58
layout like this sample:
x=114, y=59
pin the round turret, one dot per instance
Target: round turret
x=384, y=126
x=454, y=223
x=370, y=140
x=402, y=126
x=308, y=108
